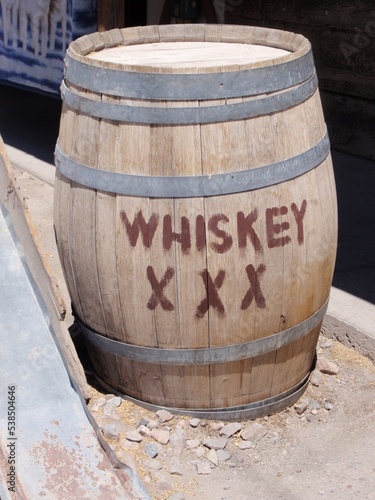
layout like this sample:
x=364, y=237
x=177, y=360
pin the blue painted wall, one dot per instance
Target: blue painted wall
x=34, y=35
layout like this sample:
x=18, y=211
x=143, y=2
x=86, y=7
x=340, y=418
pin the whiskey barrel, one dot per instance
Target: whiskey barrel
x=195, y=214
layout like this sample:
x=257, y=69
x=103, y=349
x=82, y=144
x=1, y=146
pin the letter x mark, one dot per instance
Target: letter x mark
x=254, y=291
x=158, y=296
x=212, y=297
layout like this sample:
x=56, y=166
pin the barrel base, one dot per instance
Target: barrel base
x=235, y=413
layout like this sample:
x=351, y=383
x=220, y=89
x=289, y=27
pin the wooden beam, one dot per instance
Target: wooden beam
x=111, y=14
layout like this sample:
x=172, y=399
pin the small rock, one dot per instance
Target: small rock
x=223, y=455
x=152, y=464
x=314, y=405
x=200, y=451
x=143, y=421
x=133, y=435
x=245, y=445
x=192, y=443
x=301, y=406
x=194, y=422
x=152, y=424
x=216, y=443
x=254, y=432
x=177, y=441
x=144, y=431
x=326, y=366
x=175, y=469
x=114, y=402
x=328, y=406
x=317, y=378
x=160, y=435
x=98, y=404
x=203, y=468
x=111, y=431
x=215, y=426
x=229, y=429
x=164, y=416
x=212, y=457
x=111, y=412
x=152, y=449
x=128, y=445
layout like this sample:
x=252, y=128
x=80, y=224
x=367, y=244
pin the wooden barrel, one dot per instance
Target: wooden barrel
x=195, y=213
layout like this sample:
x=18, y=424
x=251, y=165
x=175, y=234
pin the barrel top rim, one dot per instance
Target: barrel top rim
x=187, y=55
x=84, y=48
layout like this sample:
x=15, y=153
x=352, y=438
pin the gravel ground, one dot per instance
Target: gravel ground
x=323, y=447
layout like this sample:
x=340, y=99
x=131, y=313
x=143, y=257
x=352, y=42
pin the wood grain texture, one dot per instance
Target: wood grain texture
x=178, y=273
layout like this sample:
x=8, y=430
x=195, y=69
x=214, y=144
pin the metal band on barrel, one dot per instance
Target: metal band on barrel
x=248, y=411
x=207, y=355
x=188, y=86
x=192, y=186
x=190, y=115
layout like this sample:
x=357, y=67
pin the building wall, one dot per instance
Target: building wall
x=342, y=34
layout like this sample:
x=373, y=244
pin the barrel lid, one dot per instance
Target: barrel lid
x=185, y=56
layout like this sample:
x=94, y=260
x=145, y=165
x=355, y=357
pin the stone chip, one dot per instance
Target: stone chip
x=254, y=432
x=216, y=443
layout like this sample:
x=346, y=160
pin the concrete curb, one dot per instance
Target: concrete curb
x=351, y=321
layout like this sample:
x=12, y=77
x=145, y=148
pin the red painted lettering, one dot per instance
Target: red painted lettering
x=212, y=298
x=169, y=236
x=227, y=239
x=147, y=229
x=299, y=215
x=273, y=228
x=245, y=228
x=158, y=296
x=200, y=233
x=254, y=291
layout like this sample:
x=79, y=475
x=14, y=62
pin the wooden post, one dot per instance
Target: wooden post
x=111, y=14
